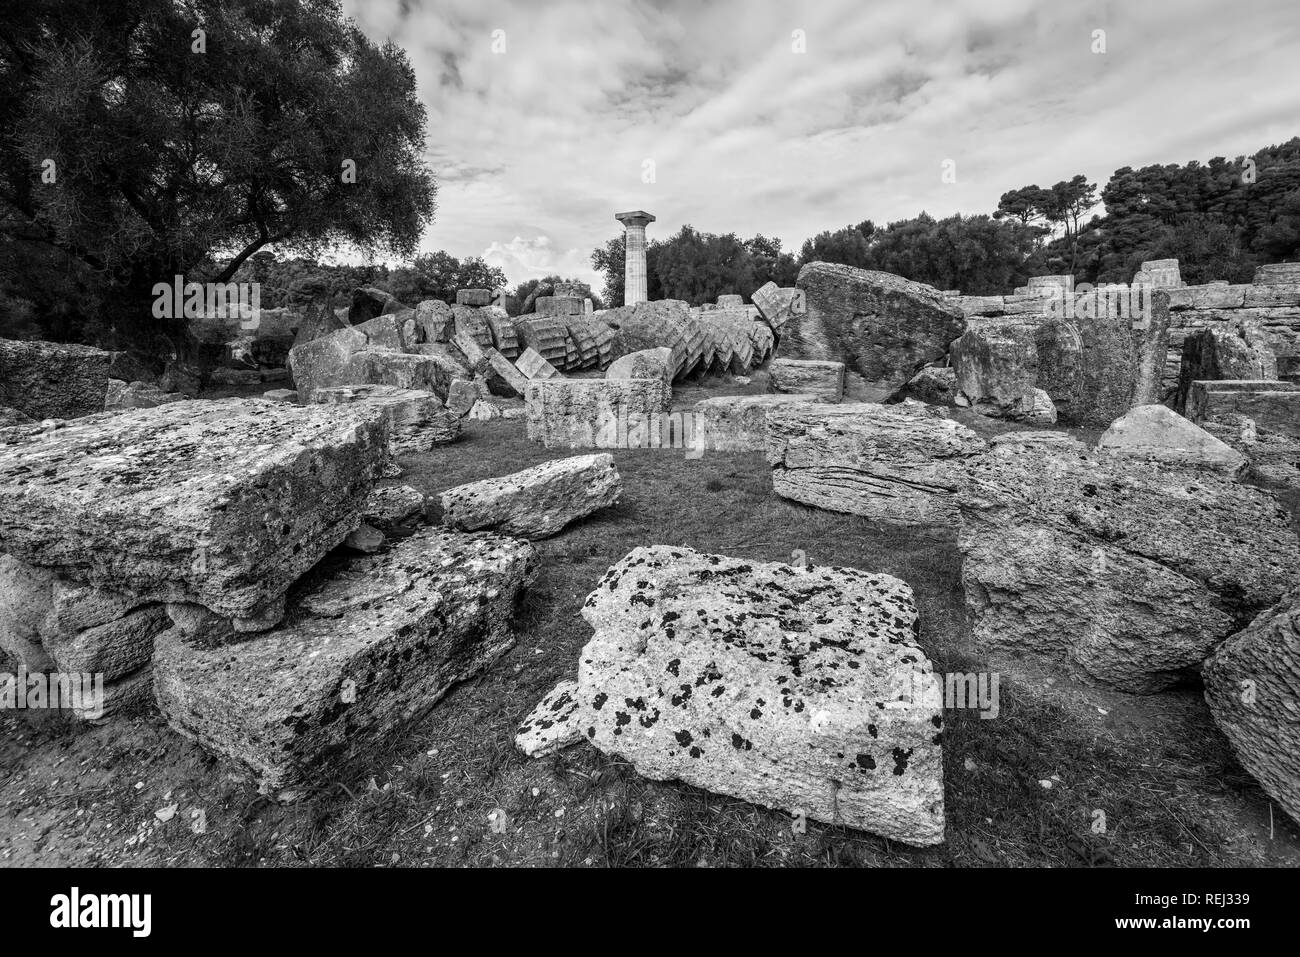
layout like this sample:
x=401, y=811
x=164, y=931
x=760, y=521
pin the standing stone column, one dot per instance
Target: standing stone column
x=634, y=274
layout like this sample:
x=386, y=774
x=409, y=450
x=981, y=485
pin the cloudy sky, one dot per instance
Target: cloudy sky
x=546, y=118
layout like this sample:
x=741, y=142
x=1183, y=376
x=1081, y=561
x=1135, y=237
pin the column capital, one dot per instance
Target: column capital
x=635, y=217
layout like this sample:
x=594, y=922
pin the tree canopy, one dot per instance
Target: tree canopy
x=144, y=139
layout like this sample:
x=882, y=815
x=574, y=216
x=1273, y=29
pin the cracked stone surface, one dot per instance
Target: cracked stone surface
x=794, y=687
x=895, y=463
x=222, y=503
x=360, y=654
x=537, y=502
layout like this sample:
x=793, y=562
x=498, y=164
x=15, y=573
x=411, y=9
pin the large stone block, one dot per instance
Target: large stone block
x=894, y=463
x=797, y=688
x=1277, y=274
x=882, y=327
x=537, y=502
x=1154, y=433
x=1273, y=405
x=1122, y=572
x=996, y=364
x=432, y=369
x=587, y=413
x=1122, y=359
x=417, y=420
x=803, y=376
x=1252, y=685
x=738, y=423
x=534, y=366
x=777, y=305
x=221, y=503
x=473, y=297
x=1237, y=350
x=646, y=364
x=649, y=325
x=53, y=380
x=545, y=335
x=368, y=650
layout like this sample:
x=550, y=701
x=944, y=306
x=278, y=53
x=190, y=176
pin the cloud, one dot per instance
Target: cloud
x=537, y=257
x=537, y=145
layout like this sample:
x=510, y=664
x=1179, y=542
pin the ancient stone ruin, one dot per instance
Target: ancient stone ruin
x=1102, y=465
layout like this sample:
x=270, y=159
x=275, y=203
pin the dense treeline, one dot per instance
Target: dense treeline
x=1220, y=219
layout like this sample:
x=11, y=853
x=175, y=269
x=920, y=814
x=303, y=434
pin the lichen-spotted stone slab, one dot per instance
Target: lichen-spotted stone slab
x=552, y=725
x=799, y=688
x=220, y=503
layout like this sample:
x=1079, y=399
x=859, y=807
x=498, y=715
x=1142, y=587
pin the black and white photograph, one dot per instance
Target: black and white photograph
x=507, y=435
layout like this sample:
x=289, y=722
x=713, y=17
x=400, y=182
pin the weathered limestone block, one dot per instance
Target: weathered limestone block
x=796, y=688
x=136, y=395
x=473, y=297
x=472, y=323
x=646, y=364
x=777, y=305
x=1060, y=364
x=322, y=362
x=369, y=649
x=114, y=649
x=1238, y=350
x=504, y=376
x=281, y=395
x=1122, y=361
x=1126, y=573
x=532, y=364
x=895, y=463
x=317, y=321
x=1159, y=273
x=503, y=333
x=649, y=325
x=1251, y=684
x=587, y=413
x=882, y=327
x=24, y=604
x=1279, y=274
x=53, y=380
x=426, y=371
x=537, y=502
x=551, y=726
x=462, y=395
x=545, y=335
x=1273, y=458
x=996, y=364
x=1273, y=405
x=222, y=503
x=738, y=423
x=763, y=340
x=558, y=306
x=433, y=321
x=1212, y=296
x=1155, y=433
x=803, y=376
x=417, y=421
x=391, y=506
x=369, y=302
x=585, y=341
x=485, y=411
x=936, y=385
x=1053, y=285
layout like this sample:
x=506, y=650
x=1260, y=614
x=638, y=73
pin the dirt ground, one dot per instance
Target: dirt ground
x=1030, y=787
